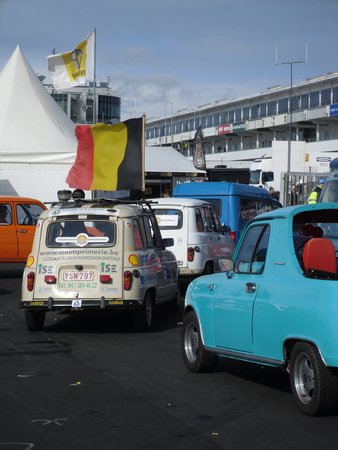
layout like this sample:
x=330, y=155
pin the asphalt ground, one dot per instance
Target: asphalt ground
x=91, y=382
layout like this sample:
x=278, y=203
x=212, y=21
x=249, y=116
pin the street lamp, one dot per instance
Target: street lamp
x=290, y=102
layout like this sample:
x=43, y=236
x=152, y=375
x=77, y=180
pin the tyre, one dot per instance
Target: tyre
x=175, y=302
x=208, y=270
x=313, y=385
x=35, y=320
x=143, y=317
x=195, y=357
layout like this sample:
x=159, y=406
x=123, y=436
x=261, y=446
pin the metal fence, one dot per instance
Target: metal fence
x=298, y=186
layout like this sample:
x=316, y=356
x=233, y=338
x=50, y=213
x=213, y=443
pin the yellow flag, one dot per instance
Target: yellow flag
x=74, y=68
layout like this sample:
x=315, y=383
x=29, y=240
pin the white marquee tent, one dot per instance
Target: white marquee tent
x=37, y=139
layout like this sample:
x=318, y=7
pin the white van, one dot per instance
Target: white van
x=98, y=256
x=199, y=240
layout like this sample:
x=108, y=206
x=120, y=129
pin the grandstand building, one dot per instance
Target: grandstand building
x=240, y=130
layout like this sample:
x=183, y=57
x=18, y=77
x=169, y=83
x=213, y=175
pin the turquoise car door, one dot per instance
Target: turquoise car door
x=235, y=299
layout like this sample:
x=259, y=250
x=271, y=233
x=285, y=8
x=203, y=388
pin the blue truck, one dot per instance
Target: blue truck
x=235, y=203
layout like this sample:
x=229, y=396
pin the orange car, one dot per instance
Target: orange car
x=18, y=218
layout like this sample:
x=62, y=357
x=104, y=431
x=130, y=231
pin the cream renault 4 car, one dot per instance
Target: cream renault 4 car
x=104, y=255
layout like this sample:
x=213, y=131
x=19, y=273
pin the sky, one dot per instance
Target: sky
x=163, y=57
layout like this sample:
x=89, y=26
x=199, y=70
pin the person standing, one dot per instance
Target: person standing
x=315, y=194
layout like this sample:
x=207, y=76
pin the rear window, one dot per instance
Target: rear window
x=169, y=219
x=79, y=233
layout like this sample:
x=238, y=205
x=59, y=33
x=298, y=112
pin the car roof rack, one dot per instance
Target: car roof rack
x=73, y=200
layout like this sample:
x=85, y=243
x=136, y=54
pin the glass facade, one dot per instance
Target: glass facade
x=61, y=100
x=109, y=108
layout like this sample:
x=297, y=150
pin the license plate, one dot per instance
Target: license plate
x=78, y=276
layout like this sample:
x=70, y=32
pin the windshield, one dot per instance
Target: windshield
x=330, y=192
x=255, y=177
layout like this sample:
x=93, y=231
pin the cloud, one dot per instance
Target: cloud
x=160, y=94
x=128, y=56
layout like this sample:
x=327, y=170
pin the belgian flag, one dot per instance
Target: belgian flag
x=109, y=157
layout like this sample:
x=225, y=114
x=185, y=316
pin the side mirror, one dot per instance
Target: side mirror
x=168, y=242
x=226, y=265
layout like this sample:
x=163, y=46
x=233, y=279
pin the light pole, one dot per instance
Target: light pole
x=290, y=102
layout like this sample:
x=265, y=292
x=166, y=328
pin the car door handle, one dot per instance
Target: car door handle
x=22, y=231
x=250, y=288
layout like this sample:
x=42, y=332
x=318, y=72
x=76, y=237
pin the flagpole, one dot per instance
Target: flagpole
x=143, y=152
x=94, y=84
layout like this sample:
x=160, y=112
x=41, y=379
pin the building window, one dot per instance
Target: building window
x=184, y=126
x=283, y=106
x=62, y=101
x=109, y=108
x=326, y=97
x=263, y=109
x=246, y=112
x=238, y=113
x=231, y=116
x=272, y=108
x=314, y=99
x=295, y=103
x=209, y=120
x=254, y=112
x=216, y=119
x=335, y=94
x=304, y=101
x=204, y=121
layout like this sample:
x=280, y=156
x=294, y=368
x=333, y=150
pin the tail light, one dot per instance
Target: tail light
x=127, y=280
x=104, y=278
x=232, y=234
x=191, y=253
x=30, y=281
x=50, y=279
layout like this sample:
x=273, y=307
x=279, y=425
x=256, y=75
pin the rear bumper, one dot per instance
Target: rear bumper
x=51, y=304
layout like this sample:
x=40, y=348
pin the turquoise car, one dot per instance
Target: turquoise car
x=275, y=304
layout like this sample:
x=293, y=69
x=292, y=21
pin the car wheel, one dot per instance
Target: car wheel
x=313, y=385
x=35, y=320
x=143, y=317
x=195, y=357
x=175, y=302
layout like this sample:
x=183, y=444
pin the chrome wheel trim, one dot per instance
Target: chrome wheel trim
x=191, y=342
x=304, y=380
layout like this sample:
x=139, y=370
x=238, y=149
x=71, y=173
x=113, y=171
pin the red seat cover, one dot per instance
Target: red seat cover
x=320, y=254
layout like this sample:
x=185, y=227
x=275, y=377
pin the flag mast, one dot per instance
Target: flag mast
x=94, y=83
x=143, y=153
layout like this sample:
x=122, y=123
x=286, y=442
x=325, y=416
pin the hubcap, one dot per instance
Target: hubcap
x=304, y=379
x=191, y=342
